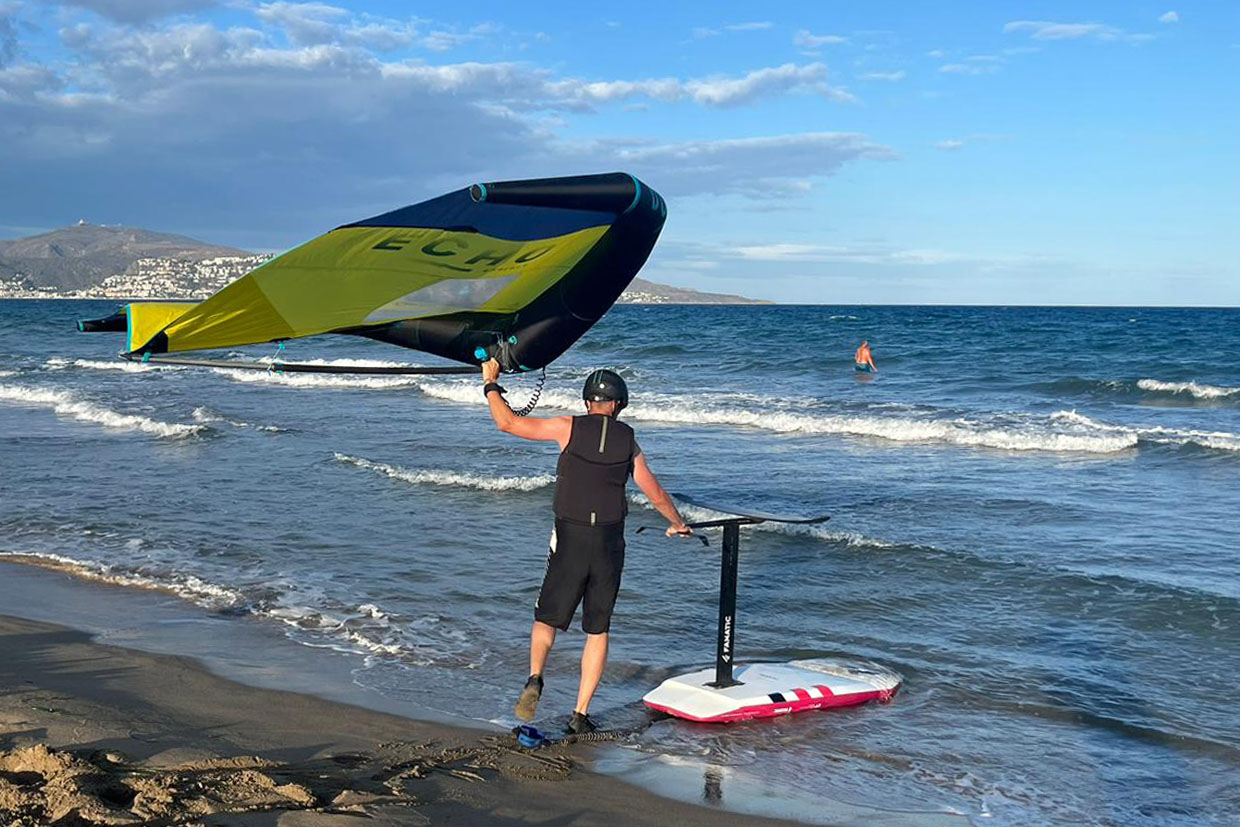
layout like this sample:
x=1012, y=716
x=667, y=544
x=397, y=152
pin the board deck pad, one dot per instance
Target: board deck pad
x=768, y=690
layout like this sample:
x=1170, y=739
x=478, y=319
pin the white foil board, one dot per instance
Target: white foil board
x=770, y=689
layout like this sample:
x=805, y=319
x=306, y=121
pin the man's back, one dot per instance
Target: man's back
x=593, y=470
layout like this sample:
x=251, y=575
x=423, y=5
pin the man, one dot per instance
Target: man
x=598, y=453
x=864, y=358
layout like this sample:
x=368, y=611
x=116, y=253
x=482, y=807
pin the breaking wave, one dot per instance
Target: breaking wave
x=65, y=404
x=1215, y=440
x=1142, y=390
x=206, y=415
x=365, y=629
x=59, y=363
x=328, y=380
x=691, y=513
x=695, y=514
x=185, y=586
x=428, y=476
x=1194, y=389
x=1028, y=435
x=318, y=380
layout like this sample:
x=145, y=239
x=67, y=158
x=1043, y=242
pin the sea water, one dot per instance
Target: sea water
x=1033, y=522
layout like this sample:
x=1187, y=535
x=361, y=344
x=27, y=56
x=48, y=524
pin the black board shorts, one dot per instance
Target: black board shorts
x=584, y=563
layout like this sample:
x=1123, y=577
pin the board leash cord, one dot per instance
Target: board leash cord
x=532, y=737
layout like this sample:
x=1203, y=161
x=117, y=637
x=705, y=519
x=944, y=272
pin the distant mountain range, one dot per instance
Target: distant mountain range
x=80, y=258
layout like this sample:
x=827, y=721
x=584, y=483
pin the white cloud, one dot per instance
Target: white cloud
x=937, y=54
x=859, y=254
x=952, y=144
x=1046, y=30
x=308, y=24
x=765, y=167
x=971, y=67
x=891, y=76
x=724, y=91
x=140, y=11
x=852, y=271
x=8, y=33
x=1169, y=17
x=806, y=40
x=703, y=32
x=26, y=84
x=242, y=132
x=715, y=91
x=305, y=24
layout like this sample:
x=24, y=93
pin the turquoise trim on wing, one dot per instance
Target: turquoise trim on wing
x=482, y=187
x=637, y=194
x=129, y=327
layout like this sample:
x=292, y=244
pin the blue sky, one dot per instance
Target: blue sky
x=1039, y=153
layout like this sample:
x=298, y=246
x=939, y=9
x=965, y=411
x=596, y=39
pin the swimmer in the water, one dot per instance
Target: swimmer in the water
x=864, y=358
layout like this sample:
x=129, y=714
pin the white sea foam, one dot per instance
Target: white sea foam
x=370, y=630
x=427, y=476
x=694, y=514
x=318, y=380
x=327, y=380
x=1025, y=436
x=1217, y=440
x=59, y=363
x=348, y=631
x=206, y=415
x=65, y=404
x=351, y=363
x=366, y=630
x=1073, y=418
x=1192, y=388
x=186, y=586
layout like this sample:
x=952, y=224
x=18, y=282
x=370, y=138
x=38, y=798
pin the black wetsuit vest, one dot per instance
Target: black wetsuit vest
x=593, y=470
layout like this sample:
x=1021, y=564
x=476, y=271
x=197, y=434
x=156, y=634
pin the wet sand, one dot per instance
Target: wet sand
x=92, y=734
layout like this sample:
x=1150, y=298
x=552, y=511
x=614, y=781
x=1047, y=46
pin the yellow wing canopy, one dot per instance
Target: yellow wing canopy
x=518, y=270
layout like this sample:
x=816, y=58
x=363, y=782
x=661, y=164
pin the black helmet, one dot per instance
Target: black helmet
x=606, y=386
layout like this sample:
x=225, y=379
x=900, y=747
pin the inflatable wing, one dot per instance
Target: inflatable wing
x=516, y=270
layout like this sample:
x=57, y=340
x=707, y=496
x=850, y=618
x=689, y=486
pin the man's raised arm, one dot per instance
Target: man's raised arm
x=553, y=429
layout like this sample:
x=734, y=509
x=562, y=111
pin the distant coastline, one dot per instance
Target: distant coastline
x=86, y=261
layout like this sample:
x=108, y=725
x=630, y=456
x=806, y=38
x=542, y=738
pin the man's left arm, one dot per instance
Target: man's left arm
x=659, y=498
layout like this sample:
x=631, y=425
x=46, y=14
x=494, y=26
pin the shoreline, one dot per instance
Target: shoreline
x=165, y=696
x=123, y=736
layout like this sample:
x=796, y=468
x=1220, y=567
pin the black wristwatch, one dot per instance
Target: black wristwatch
x=492, y=386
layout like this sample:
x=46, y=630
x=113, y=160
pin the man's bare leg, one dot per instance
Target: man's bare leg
x=542, y=638
x=593, y=659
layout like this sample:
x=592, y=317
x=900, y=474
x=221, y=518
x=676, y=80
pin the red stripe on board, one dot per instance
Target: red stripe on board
x=826, y=692
x=770, y=710
x=801, y=694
